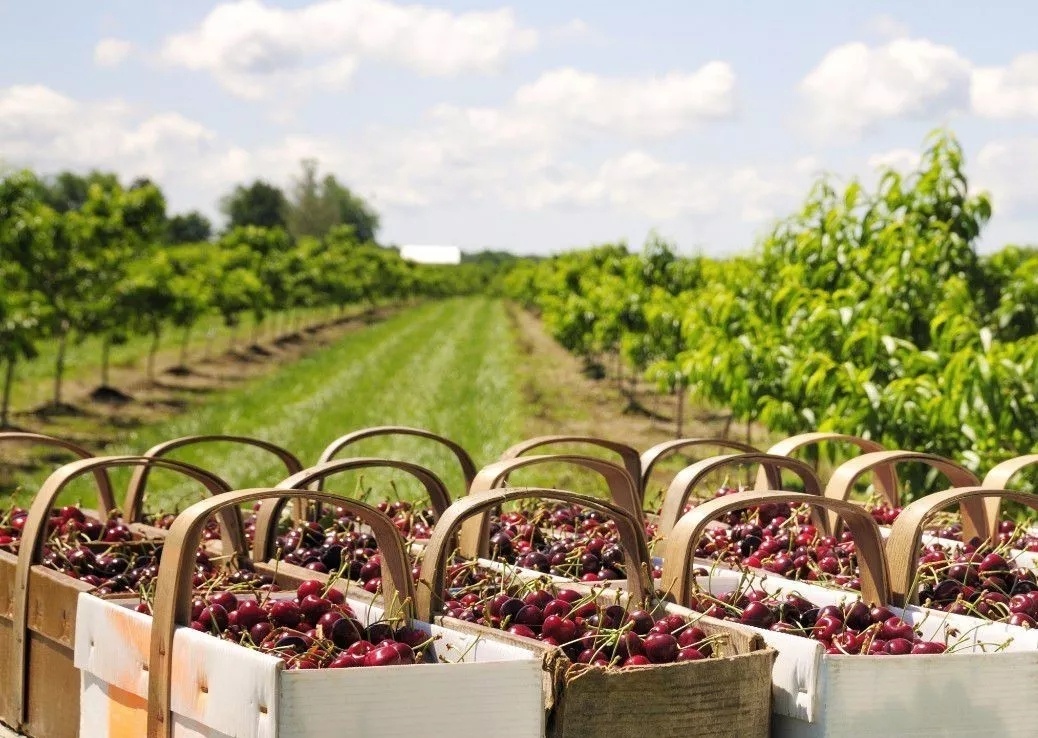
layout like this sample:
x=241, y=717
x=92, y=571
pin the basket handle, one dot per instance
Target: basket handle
x=134, y=506
x=269, y=513
x=906, y=534
x=849, y=472
x=468, y=466
x=682, y=543
x=999, y=477
x=884, y=476
x=629, y=456
x=104, y=484
x=622, y=491
x=652, y=456
x=438, y=551
x=770, y=466
x=172, y=606
x=34, y=534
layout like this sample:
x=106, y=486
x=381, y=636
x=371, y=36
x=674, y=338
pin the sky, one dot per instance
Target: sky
x=533, y=127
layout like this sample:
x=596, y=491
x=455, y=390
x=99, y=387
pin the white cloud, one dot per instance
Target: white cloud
x=111, y=52
x=567, y=105
x=655, y=106
x=1006, y=169
x=635, y=182
x=887, y=27
x=900, y=159
x=47, y=130
x=573, y=30
x=1007, y=92
x=856, y=86
x=255, y=50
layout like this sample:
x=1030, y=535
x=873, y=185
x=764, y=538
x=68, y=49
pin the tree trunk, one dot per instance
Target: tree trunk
x=59, y=364
x=681, y=412
x=256, y=325
x=619, y=372
x=232, y=337
x=727, y=426
x=184, y=340
x=106, y=350
x=749, y=431
x=5, y=399
x=208, y=350
x=152, y=350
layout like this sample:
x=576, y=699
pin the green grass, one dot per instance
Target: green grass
x=34, y=380
x=444, y=366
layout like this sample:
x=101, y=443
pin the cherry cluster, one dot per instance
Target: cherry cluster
x=978, y=581
x=854, y=628
x=782, y=540
x=68, y=524
x=587, y=631
x=1010, y=533
x=560, y=539
x=316, y=629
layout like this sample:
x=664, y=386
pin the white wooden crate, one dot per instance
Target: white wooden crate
x=221, y=689
x=967, y=693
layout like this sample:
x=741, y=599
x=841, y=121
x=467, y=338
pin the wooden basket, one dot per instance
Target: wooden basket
x=723, y=696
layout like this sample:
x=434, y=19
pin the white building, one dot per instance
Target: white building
x=430, y=254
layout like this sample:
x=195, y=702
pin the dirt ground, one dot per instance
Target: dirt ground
x=565, y=400
x=559, y=397
x=95, y=420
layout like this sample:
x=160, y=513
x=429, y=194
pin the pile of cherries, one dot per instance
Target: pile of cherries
x=106, y=554
x=68, y=524
x=1009, y=532
x=316, y=629
x=854, y=628
x=782, y=540
x=560, y=539
x=978, y=581
x=586, y=631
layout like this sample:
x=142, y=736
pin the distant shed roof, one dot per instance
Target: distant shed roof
x=429, y=254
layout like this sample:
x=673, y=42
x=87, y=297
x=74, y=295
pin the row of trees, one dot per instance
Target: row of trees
x=86, y=256
x=868, y=313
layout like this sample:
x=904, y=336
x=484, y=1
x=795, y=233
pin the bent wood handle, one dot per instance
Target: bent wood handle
x=475, y=535
x=34, y=536
x=172, y=605
x=883, y=476
x=270, y=511
x=998, y=478
x=771, y=466
x=134, y=506
x=468, y=466
x=104, y=484
x=681, y=545
x=849, y=472
x=652, y=456
x=441, y=545
x=629, y=456
x=906, y=535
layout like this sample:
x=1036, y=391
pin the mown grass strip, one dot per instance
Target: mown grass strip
x=445, y=366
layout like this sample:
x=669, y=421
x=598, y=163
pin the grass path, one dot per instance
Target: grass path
x=34, y=380
x=471, y=369
x=443, y=366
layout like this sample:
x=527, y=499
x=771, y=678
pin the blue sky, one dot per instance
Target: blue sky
x=532, y=127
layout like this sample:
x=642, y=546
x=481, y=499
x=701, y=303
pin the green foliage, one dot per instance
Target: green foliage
x=191, y=227
x=317, y=206
x=84, y=256
x=258, y=204
x=867, y=313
